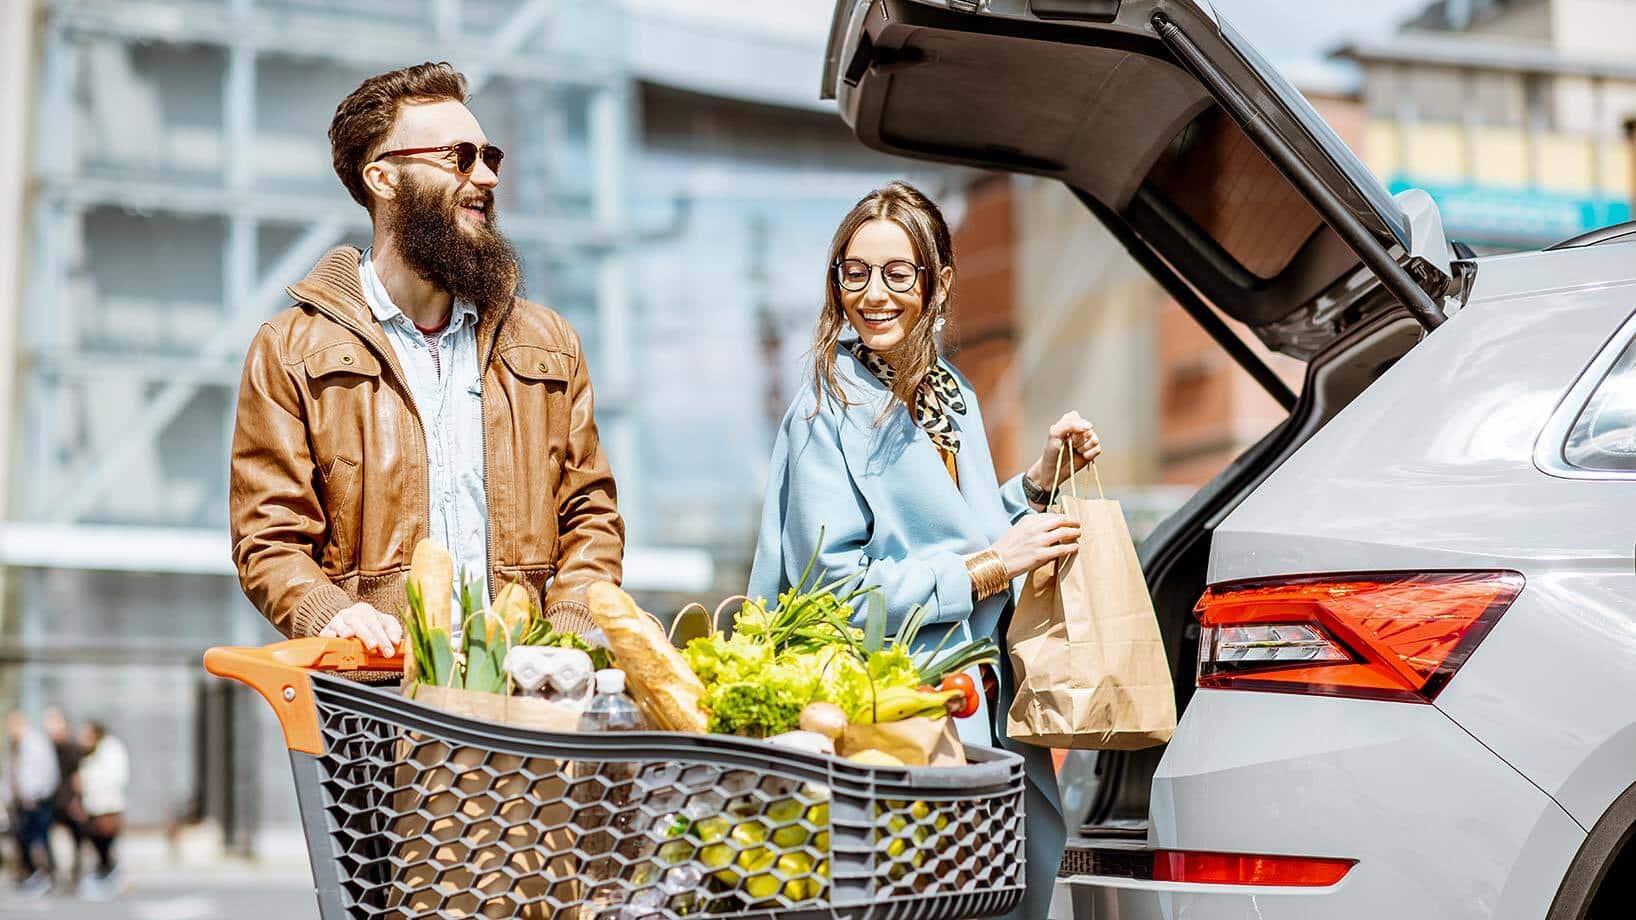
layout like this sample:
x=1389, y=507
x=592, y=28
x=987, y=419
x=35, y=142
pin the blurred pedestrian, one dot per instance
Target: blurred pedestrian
x=33, y=784
x=104, y=776
x=65, y=807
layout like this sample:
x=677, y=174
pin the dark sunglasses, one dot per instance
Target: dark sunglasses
x=465, y=155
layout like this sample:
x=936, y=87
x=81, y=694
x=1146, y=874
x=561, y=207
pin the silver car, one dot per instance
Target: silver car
x=1403, y=625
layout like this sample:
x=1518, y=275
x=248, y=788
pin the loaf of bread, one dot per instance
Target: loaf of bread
x=656, y=674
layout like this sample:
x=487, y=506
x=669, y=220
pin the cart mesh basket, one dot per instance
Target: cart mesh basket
x=411, y=811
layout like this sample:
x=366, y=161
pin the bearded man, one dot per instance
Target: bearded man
x=410, y=394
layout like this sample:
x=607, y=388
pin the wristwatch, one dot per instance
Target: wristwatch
x=1034, y=493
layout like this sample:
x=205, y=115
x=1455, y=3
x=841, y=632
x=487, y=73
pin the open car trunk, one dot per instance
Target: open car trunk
x=1171, y=128
x=1220, y=181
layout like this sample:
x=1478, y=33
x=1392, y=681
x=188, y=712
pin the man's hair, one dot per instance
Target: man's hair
x=366, y=116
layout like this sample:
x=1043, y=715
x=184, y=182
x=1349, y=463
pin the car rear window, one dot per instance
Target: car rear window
x=1603, y=437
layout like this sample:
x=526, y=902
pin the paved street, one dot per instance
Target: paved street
x=189, y=879
x=210, y=896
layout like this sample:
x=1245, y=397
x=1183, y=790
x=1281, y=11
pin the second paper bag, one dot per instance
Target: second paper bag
x=1090, y=664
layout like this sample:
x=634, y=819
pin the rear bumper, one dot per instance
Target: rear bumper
x=1094, y=897
x=1441, y=827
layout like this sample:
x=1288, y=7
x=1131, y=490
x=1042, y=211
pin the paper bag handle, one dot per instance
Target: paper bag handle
x=1073, y=483
x=715, y=617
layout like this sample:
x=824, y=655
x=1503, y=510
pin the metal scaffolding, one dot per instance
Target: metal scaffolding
x=100, y=420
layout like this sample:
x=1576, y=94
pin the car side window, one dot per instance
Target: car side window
x=1603, y=437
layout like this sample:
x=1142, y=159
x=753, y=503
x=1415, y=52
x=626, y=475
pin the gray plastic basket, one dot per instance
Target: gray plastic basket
x=415, y=812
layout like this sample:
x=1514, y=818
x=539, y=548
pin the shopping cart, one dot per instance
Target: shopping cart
x=411, y=811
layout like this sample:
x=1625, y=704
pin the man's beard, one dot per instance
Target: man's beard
x=474, y=264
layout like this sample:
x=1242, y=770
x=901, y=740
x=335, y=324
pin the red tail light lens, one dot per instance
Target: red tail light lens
x=1206, y=868
x=1394, y=636
x=1243, y=869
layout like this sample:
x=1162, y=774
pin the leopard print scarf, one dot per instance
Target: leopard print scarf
x=937, y=395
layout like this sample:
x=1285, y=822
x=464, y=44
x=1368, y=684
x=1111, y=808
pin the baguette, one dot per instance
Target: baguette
x=432, y=570
x=656, y=674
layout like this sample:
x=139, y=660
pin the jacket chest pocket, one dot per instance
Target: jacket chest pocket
x=543, y=426
x=542, y=380
x=342, y=381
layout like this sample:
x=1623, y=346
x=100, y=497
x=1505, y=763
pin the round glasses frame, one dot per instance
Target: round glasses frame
x=841, y=266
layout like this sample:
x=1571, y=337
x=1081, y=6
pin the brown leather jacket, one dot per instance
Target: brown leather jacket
x=329, y=479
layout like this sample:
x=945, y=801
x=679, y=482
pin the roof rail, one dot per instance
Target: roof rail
x=1614, y=233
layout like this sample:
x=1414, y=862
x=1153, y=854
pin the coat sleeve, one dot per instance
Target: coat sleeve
x=276, y=517
x=590, y=532
x=820, y=497
x=1016, y=503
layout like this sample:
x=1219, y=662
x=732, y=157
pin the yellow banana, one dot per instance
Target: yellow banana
x=894, y=704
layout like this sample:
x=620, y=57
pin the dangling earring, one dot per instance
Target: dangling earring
x=937, y=327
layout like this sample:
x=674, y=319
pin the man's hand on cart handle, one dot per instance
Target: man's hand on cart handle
x=379, y=632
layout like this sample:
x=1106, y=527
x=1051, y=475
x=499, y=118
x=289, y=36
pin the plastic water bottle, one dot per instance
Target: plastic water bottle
x=611, y=710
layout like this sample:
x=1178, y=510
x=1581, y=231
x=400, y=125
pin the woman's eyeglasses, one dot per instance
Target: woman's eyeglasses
x=900, y=276
x=465, y=155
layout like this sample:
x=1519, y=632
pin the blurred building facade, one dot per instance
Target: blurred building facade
x=671, y=182
x=1509, y=112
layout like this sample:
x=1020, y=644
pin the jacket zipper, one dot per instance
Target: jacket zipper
x=483, y=442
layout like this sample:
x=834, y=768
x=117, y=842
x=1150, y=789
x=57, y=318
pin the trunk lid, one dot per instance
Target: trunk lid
x=1160, y=112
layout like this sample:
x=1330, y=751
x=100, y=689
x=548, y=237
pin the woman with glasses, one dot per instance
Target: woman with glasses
x=884, y=454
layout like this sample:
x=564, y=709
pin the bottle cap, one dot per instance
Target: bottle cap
x=610, y=680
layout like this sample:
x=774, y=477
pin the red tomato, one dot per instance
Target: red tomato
x=962, y=681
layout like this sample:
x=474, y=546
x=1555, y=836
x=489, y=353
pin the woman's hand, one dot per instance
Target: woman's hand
x=1083, y=447
x=1036, y=540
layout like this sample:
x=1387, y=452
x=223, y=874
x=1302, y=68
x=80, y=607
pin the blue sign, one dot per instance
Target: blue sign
x=1475, y=213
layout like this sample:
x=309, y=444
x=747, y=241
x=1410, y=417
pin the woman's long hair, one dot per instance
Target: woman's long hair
x=904, y=205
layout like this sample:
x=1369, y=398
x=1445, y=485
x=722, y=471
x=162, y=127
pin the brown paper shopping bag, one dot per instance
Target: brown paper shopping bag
x=1090, y=664
x=918, y=742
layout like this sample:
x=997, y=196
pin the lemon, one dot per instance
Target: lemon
x=716, y=856
x=784, y=811
x=797, y=866
x=761, y=887
x=710, y=830
x=749, y=833
x=875, y=758
x=789, y=838
x=676, y=851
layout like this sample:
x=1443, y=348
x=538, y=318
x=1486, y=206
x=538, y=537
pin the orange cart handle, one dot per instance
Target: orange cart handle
x=279, y=673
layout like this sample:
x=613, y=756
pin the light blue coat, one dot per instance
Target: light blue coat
x=887, y=508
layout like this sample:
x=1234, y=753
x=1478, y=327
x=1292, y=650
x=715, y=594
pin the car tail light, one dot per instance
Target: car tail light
x=1245, y=869
x=1394, y=636
x=1205, y=868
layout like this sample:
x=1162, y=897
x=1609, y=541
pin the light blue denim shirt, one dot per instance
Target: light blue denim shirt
x=450, y=405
